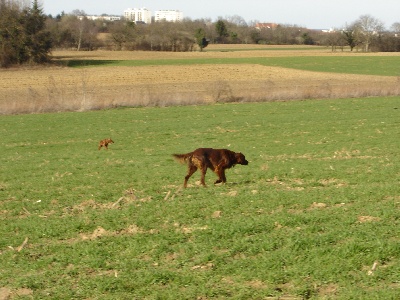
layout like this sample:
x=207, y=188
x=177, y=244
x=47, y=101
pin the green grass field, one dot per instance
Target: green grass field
x=367, y=65
x=315, y=215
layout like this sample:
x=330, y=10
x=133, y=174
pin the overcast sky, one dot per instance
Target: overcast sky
x=313, y=14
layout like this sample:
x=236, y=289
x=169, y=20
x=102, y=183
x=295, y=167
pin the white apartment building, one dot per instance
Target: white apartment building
x=138, y=15
x=168, y=15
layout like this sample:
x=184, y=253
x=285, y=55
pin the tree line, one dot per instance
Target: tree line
x=364, y=34
x=27, y=35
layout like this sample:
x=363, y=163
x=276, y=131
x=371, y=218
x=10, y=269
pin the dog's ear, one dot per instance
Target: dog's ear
x=238, y=156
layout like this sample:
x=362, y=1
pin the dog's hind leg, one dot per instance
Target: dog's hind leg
x=191, y=170
x=198, y=163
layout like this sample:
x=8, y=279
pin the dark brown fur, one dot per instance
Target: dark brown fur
x=218, y=160
x=104, y=143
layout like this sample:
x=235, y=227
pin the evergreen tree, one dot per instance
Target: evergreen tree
x=37, y=38
x=23, y=37
x=201, y=40
x=350, y=37
x=11, y=41
x=222, y=31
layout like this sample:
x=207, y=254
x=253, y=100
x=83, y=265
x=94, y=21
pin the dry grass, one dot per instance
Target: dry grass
x=71, y=89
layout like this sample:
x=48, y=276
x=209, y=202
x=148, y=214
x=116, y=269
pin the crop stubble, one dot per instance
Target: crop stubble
x=61, y=88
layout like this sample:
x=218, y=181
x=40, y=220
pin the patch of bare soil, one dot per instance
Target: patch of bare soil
x=101, y=232
x=7, y=293
x=367, y=219
x=327, y=291
x=129, y=197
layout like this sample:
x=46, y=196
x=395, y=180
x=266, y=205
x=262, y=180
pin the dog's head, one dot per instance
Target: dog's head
x=240, y=159
x=110, y=141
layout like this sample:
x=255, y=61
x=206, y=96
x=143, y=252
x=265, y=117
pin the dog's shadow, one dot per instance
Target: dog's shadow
x=235, y=183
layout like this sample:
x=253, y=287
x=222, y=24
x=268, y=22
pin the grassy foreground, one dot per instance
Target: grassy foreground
x=314, y=215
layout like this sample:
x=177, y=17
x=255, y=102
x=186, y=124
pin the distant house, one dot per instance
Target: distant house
x=168, y=15
x=260, y=26
x=138, y=15
x=111, y=18
x=104, y=18
x=327, y=30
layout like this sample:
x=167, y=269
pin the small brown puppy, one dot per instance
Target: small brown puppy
x=104, y=143
x=218, y=160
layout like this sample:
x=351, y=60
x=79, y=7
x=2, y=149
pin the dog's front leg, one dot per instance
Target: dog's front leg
x=221, y=178
x=203, y=176
x=220, y=171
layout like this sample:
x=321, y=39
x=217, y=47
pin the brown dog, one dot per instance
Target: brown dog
x=104, y=143
x=218, y=160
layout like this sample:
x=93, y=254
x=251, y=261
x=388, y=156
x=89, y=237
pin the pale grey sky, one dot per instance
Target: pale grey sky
x=316, y=14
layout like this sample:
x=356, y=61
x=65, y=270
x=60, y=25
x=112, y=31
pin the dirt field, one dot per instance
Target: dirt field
x=61, y=88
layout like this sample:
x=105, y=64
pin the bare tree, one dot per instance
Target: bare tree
x=396, y=27
x=237, y=20
x=369, y=27
x=122, y=34
x=334, y=39
x=81, y=31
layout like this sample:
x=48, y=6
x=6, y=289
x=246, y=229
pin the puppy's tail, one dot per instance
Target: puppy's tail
x=182, y=158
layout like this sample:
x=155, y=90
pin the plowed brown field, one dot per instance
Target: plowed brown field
x=62, y=88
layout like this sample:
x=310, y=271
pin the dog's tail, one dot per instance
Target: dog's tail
x=182, y=158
